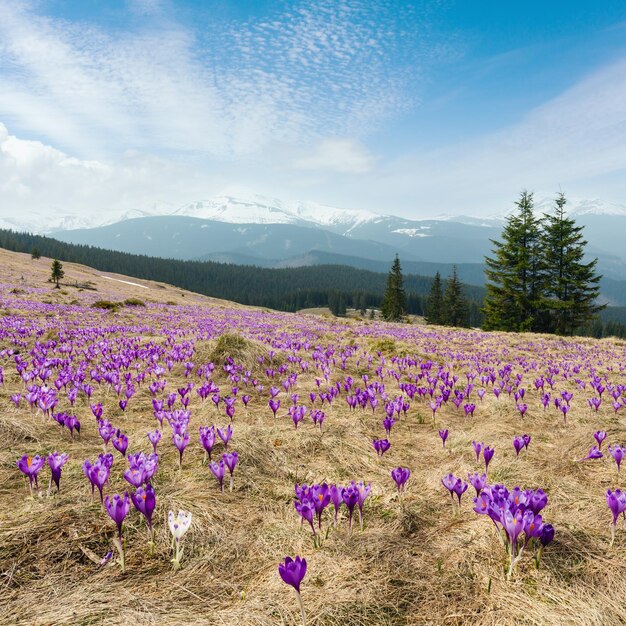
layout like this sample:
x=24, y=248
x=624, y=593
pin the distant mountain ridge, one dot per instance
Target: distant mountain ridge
x=269, y=232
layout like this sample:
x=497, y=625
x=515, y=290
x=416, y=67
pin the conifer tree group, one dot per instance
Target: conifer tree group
x=537, y=277
x=450, y=306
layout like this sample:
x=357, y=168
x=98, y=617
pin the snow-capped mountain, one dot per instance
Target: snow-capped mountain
x=257, y=209
x=44, y=223
x=264, y=210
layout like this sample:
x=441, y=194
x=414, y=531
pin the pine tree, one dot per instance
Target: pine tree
x=394, y=302
x=572, y=285
x=455, y=305
x=35, y=254
x=515, y=273
x=57, y=272
x=434, y=304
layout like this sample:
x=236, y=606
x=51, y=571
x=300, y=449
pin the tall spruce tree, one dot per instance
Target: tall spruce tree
x=434, y=304
x=455, y=305
x=515, y=273
x=571, y=285
x=393, y=307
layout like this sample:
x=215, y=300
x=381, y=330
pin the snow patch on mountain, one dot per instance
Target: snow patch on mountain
x=412, y=232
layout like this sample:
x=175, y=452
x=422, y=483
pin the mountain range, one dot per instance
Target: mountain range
x=269, y=232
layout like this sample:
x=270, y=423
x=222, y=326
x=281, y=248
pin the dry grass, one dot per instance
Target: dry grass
x=415, y=563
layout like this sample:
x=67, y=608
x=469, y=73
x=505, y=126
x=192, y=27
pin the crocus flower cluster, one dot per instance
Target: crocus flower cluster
x=228, y=462
x=456, y=486
x=311, y=501
x=516, y=516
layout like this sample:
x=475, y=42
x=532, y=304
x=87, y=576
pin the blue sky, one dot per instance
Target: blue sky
x=412, y=108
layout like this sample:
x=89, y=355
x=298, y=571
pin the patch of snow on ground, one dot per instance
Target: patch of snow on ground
x=126, y=282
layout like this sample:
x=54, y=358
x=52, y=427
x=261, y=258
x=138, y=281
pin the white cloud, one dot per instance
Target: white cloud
x=313, y=69
x=47, y=182
x=345, y=156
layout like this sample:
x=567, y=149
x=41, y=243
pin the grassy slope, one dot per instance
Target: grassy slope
x=413, y=564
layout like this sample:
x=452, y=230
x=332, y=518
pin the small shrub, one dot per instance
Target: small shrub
x=134, y=302
x=386, y=345
x=106, y=305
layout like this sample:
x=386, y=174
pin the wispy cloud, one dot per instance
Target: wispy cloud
x=311, y=69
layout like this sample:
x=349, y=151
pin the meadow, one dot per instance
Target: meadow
x=95, y=366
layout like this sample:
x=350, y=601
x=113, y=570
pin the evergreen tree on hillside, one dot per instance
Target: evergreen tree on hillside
x=434, y=304
x=393, y=307
x=455, y=305
x=571, y=285
x=56, y=273
x=515, y=273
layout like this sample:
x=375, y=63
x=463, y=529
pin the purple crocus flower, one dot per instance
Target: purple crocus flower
x=320, y=496
x=518, y=444
x=181, y=441
x=292, y=571
x=547, y=534
x=616, y=501
x=219, y=471
x=617, y=452
x=120, y=443
x=449, y=483
x=230, y=461
x=274, y=405
x=135, y=475
x=154, y=437
x=594, y=453
x=207, y=439
x=225, y=435
x=600, y=436
x=444, y=436
x=350, y=496
x=478, y=481
x=460, y=487
x=306, y=510
x=478, y=448
x=56, y=462
x=388, y=423
x=144, y=500
x=526, y=439
x=106, y=431
x=31, y=466
x=488, y=453
x=118, y=508
x=381, y=446
x=336, y=498
x=400, y=476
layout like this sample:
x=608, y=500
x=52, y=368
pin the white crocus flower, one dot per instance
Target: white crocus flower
x=179, y=525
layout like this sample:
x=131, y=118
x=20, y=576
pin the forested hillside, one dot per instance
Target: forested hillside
x=286, y=289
